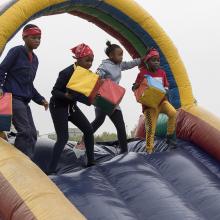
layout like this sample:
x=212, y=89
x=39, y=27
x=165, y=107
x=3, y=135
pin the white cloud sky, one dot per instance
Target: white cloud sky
x=193, y=26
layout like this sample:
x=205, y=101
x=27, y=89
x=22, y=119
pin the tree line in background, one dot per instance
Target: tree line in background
x=75, y=135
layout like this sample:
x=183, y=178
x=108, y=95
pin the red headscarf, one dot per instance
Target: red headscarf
x=82, y=50
x=31, y=31
x=152, y=53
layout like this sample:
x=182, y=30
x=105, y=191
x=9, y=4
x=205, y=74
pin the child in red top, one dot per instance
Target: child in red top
x=153, y=69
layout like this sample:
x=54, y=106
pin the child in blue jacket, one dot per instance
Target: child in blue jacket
x=17, y=74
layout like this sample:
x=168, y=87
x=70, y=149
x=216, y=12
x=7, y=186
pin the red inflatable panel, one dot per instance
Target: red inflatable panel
x=140, y=130
x=194, y=129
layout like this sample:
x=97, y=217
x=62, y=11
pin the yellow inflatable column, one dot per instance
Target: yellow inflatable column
x=27, y=193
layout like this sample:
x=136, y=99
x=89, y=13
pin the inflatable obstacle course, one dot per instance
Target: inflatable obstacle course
x=31, y=195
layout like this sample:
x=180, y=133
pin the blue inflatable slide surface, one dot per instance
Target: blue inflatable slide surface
x=177, y=185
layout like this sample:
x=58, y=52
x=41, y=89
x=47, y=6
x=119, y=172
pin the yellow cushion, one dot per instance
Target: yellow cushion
x=82, y=81
x=151, y=97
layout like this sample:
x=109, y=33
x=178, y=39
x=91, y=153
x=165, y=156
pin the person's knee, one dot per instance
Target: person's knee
x=99, y=120
x=172, y=114
x=25, y=132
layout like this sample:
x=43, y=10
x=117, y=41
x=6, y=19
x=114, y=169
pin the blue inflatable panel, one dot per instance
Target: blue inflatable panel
x=73, y=160
x=176, y=185
x=137, y=186
x=211, y=163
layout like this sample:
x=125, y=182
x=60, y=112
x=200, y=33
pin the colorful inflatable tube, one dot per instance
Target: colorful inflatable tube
x=27, y=193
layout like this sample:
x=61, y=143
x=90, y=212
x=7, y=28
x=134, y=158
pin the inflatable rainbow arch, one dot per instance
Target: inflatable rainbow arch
x=25, y=191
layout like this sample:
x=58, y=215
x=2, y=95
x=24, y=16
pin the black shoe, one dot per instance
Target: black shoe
x=123, y=151
x=90, y=164
x=171, y=147
x=50, y=172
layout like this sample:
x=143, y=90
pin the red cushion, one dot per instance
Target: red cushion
x=111, y=91
x=6, y=104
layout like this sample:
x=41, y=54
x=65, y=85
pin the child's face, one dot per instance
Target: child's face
x=116, y=56
x=32, y=41
x=86, y=62
x=154, y=63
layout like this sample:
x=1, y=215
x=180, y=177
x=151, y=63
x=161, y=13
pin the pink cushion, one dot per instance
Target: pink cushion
x=6, y=104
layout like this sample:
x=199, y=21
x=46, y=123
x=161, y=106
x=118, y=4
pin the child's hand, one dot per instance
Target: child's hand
x=69, y=96
x=135, y=86
x=45, y=104
x=107, y=77
x=143, y=58
x=167, y=93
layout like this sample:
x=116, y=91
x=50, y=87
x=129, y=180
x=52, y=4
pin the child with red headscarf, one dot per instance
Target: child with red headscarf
x=17, y=74
x=152, y=61
x=63, y=108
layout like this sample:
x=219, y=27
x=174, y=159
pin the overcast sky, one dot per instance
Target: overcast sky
x=193, y=26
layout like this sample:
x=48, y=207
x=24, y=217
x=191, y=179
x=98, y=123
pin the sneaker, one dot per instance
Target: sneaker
x=150, y=151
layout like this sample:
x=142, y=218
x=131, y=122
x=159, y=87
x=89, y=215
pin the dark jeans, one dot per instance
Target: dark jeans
x=23, y=122
x=61, y=116
x=118, y=121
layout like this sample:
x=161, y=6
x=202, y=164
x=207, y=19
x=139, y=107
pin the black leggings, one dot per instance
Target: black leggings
x=61, y=116
x=118, y=121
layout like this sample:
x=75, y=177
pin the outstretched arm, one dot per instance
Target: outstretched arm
x=125, y=65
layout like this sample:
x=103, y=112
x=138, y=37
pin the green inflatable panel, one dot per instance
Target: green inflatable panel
x=161, y=129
